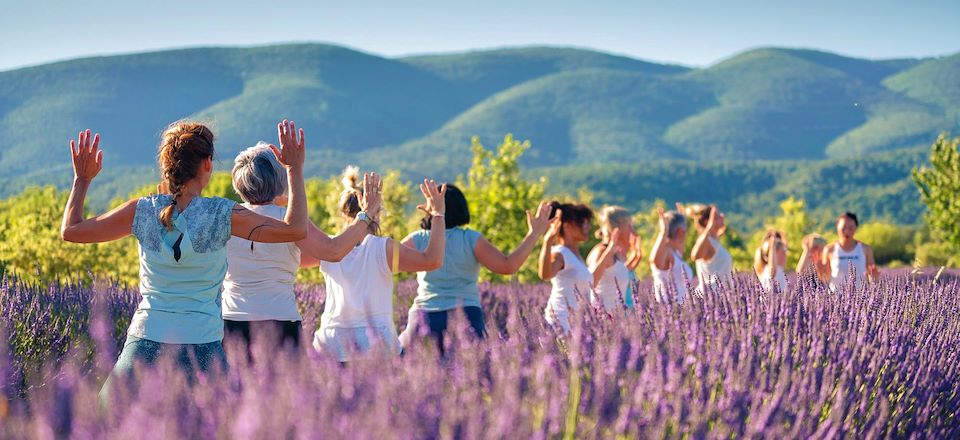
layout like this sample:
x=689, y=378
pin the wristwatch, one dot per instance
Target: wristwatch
x=362, y=216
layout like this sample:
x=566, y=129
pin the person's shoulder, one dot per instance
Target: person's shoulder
x=155, y=200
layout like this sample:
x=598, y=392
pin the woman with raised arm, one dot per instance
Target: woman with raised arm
x=561, y=263
x=670, y=273
x=850, y=260
x=258, y=289
x=612, y=260
x=769, y=262
x=454, y=285
x=182, y=237
x=358, y=313
x=810, y=267
x=713, y=262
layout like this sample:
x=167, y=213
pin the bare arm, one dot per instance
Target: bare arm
x=660, y=255
x=320, y=246
x=491, y=257
x=550, y=263
x=702, y=249
x=872, y=270
x=114, y=225
x=600, y=259
x=431, y=258
x=636, y=255
x=255, y=227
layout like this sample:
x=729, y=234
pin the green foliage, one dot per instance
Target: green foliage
x=30, y=243
x=499, y=198
x=939, y=185
x=892, y=244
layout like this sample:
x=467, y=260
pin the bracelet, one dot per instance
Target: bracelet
x=437, y=215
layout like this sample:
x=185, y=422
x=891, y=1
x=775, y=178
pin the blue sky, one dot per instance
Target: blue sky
x=693, y=32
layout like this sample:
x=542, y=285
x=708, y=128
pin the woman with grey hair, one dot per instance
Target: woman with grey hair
x=258, y=288
x=670, y=273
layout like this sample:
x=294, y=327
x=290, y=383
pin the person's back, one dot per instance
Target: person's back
x=718, y=269
x=673, y=280
x=455, y=283
x=181, y=270
x=359, y=302
x=259, y=282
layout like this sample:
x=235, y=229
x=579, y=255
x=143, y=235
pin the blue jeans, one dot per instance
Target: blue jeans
x=191, y=358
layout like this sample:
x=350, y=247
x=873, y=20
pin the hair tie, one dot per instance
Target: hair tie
x=173, y=202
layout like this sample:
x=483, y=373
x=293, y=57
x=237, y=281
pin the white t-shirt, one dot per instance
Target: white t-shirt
x=719, y=268
x=259, y=281
x=359, y=288
x=574, y=279
x=611, y=291
x=847, y=266
x=673, y=279
x=771, y=276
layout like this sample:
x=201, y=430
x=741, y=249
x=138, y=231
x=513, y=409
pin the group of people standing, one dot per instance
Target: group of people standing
x=211, y=267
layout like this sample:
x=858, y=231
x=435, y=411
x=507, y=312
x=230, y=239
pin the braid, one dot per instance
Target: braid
x=184, y=146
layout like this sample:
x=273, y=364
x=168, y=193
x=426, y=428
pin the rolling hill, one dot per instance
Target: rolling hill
x=791, y=109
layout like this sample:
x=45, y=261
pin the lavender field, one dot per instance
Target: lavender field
x=880, y=362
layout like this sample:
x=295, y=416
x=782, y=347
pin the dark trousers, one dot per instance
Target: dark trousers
x=286, y=332
x=437, y=321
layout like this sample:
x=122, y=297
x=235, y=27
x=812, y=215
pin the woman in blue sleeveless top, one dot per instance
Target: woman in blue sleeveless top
x=182, y=238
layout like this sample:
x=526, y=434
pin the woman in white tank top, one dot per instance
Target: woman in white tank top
x=358, y=312
x=769, y=262
x=613, y=259
x=258, y=286
x=850, y=261
x=713, y=262
x=561, y=263
x=671, y=274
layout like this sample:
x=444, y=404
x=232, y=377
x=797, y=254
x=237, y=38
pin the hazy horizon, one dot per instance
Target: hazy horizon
x=694, y=33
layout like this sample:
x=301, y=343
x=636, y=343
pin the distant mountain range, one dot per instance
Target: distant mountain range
x=580, y=108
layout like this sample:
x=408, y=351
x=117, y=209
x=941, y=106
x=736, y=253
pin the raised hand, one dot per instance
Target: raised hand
x=435, y=203
x=292, y=151
x=712, y=220
x=538, y=224
x=611, y=245
x=636, y=245
x=372, y=199
x=555, y=224
x=663, y=220
x=87, y=156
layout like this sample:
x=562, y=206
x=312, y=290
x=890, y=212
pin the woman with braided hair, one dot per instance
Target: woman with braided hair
x=182, y=240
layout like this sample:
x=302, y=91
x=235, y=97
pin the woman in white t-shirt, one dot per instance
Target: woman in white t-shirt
x=671, y=274
x=358, y=312
x=770, y=260
x=258, y=287
x=562, y=265
x=713, y=262
x=851, y=261
x=613, y=259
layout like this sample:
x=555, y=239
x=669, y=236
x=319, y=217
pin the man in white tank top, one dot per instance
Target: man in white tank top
x=849, y=260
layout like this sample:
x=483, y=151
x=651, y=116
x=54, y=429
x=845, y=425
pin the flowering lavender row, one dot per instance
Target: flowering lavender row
x=877, y=362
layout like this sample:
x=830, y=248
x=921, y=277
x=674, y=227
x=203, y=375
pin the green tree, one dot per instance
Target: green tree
x=892, y=244
x=30, y=243
x=499, y=198
x=939, y=185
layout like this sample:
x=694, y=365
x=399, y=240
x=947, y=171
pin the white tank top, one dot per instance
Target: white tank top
x=844, y=265
x=612, y=286
x=359, y=288
x=574, y=279
x=673, y=279
x=717, y=269
x=259, y=281
x=768, y=279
